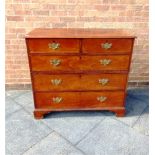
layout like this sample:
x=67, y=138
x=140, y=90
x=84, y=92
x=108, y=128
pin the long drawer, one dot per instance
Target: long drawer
x=79, y=100
x=76, y=63
x=72, y=82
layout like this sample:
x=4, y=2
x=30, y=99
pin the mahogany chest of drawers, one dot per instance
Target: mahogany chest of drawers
x=79, y=69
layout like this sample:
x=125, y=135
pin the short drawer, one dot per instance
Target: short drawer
x=81, y=82
x=79, y=100
x=75, y=63
x=107, y=45
x=53, y=45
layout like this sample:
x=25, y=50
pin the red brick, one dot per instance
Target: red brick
x=15, y=18
x=67, y=19
x=58, y=13
x=22, y=1
x=87, y=19
x=39, y=12
x=127, y=1
x=49, y=6
x=92, y=2
x=14, y=30
x=74, y=13
x=105, y=1
x=118, y=7
x=102, y=7
x=23, y=12
x=66, y=7
x=58, y=25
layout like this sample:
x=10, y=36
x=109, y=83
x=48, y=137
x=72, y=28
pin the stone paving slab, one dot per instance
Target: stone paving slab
x=73, y=125
x=140, y=94
x=10, y=106
x=29, y=108
x=22, y=132
x=53, y=144
x=16, y=93
x=142, y=124
x=25, y=99
x=134, y=108
x=112, y=137
x=138, y=91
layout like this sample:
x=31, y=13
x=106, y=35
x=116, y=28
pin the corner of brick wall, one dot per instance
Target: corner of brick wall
x=24, y=15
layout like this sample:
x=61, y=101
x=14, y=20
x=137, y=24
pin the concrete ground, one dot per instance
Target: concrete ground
x=77, y=133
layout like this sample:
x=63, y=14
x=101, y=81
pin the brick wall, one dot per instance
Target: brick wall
x=24, y=15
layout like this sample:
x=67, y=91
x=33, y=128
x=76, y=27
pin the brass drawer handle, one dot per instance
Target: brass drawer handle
x=105, y=62
x=55, y=62
x=106, y=45
x=103, y=81
x=57, y=99
x=56, y=81
x=101, y=98
x=54, y=45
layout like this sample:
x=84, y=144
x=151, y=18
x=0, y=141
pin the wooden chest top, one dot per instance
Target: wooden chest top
x=80, y=33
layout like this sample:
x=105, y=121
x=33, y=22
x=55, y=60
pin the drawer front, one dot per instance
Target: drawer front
x=70, y=82
x=54, y=45
x=102, y=99
x=45, y=82
x=103, y=81
x=107, y=45
x=57, y=100
x=54, y=63
x=82, y=100
x=106, y=63
x=75, y=63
